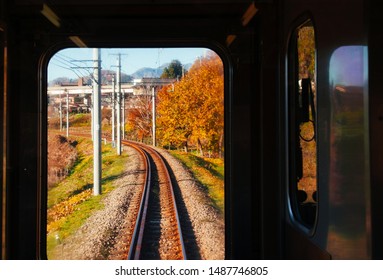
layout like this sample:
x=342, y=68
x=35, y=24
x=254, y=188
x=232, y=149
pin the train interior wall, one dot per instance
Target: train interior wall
x=375, y=44
x=258, y=225
x=252, y=224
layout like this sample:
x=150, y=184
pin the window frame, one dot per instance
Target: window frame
x=291, y=127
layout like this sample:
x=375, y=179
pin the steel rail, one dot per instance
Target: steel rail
x=139, y=228
x=136, y=243
x=138, y=233
x=173, y=201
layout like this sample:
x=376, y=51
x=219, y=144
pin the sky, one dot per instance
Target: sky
x=75, y=62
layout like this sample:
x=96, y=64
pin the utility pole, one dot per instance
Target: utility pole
x=123, y=115
x=61, y=113
x=92, y=114
x=119, y=105
x=96, y=121
x=113, y=109
x=67, y=113
x=154, y=115
x=119, y=102
x=92, y=101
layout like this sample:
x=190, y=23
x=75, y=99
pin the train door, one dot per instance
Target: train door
x=324, y=120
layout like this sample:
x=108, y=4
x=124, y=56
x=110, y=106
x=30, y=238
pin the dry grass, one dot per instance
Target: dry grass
x=209, y=172
x=71, y=201
x=62, y=155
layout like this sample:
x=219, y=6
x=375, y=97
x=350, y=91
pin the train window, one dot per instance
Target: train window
x=302, y=125
x=103, y=105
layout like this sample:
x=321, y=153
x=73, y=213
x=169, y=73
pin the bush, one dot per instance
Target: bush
x=62, y=155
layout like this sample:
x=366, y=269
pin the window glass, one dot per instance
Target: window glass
x=302, y=125
x=349, y=167
x=172, y=99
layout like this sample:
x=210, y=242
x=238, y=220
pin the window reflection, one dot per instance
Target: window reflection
x=348, y=151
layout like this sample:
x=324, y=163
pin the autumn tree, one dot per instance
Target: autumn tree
x=192, y=113
x=140, y=117
x=306, y=52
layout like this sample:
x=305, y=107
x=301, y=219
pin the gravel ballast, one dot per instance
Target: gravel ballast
x=102, y=235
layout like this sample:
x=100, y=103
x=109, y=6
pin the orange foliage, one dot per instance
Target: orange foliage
x=140, y=118
x=193, y=113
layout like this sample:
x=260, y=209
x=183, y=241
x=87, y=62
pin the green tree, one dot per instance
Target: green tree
x=173, y=71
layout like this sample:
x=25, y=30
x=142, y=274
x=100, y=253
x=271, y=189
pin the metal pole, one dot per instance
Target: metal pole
x=97, y=122
x=67, y=113
x=119, y=105
x=154, y=116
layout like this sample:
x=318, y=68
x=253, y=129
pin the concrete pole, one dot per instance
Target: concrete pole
x=96, y=121
x=119, y=105
x=123, y=115
x=154, y=116
x=113, y=109
x=92, y=116
x=67, y=113
x=61, y=113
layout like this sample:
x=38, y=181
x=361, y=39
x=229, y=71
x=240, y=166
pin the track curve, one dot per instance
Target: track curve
x=157, y=233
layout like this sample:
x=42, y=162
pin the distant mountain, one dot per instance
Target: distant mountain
x=147, y=72
x=106, y=78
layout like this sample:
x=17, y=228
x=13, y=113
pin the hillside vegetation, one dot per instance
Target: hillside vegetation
x=62, y=156
x=71, y=202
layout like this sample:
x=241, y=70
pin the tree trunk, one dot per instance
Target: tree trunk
x=199, y=144
x=220, y=148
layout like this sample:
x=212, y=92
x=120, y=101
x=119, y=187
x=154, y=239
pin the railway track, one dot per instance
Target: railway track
x=157, y=233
